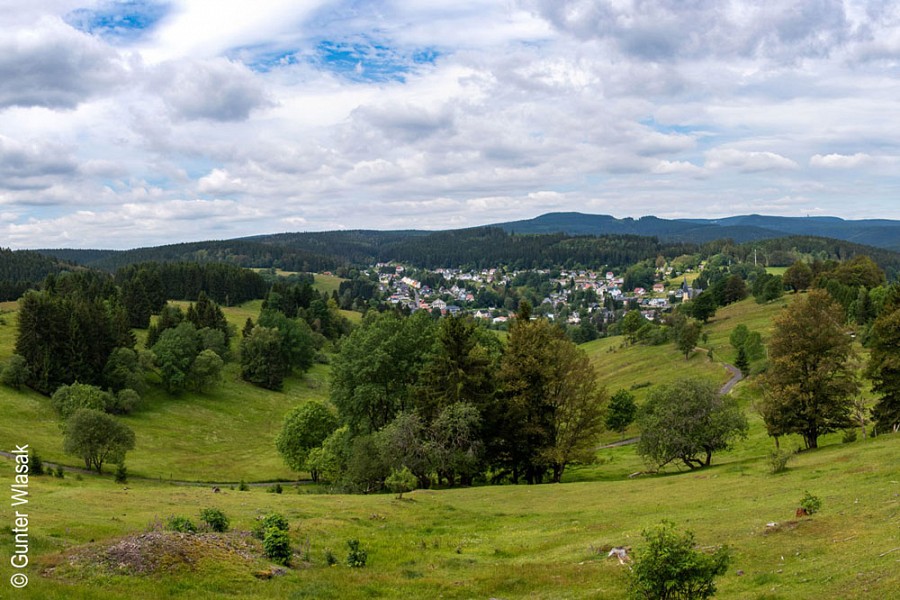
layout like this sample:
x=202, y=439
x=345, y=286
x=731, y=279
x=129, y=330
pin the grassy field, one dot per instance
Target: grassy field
x=545, y=541
x=327, y=283
x=226, y=434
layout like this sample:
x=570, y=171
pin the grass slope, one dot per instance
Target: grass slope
x=226, y=434
x=509, y=541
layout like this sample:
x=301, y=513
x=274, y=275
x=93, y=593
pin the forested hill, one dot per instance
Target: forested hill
x=23, y=269
x=241, y=252
x=881, y=233
x=477, y=248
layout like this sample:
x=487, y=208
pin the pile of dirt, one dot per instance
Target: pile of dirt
x=158, y=552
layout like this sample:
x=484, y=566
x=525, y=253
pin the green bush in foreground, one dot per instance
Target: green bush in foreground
x=181, y=524
x=356, y=557
x=270, y=521
x=811, y=504
x=277, y=545
x=668, y=567
x=215, y=518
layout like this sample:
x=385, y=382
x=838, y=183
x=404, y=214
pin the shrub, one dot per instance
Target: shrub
x=356, y=557
x=69, y=398
x=215, y=518
x=811, y=504
x=849, y=436
x=401, y=481
x=668, y=567
x=778, y=460
x=243, y=487
x=124, y=402
x=270, y=521
x=36, y=465
x=275, y=489
x=277, y=545
x=59, y=472
x=121, y=473
x=181, y=524
x=16, y=372
x=330, y=558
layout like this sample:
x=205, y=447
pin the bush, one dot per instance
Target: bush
x=69, y=398
x=36, y=465
x=15, y=373
x=59, y=472
x=124, y=402
x=121, y=473
x=811, y=504
x=181, y=524
x=277, y=545
x=401, y=481
x=215, y=518
x=356, y=557
x=275, y=489
x=243, y=487
x=330, y=558
x=270, y=521
x=849, y=436
x=778, y=460
x=668, y=567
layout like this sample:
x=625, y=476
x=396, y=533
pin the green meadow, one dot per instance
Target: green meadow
x=546, y=541
x=91, y=538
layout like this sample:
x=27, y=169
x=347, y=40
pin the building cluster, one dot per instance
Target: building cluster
x=572, y=295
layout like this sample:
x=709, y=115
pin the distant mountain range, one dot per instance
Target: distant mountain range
x=881, y=233
x=551, y=239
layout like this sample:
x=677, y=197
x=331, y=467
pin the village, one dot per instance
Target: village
x=565, y=296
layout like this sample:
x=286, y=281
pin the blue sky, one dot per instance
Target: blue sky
x=134, y=123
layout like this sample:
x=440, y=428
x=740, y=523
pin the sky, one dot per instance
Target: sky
x=138, y=123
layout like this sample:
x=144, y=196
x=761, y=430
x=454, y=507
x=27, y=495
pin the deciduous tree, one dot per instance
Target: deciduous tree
x=810, y=382
x=97, y=438
x=262, y=359
x=621, y=411
x=305, y=428
x=687, y=421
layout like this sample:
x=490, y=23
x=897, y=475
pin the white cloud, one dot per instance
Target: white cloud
x=220, y=182
x=665, y=167
x=747, y=162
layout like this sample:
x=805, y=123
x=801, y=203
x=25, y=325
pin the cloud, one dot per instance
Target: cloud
x=214, y=89
x=220, y=182
x=841, y=161
x=747, y=162
x=665, y=30
x=32, y=165
x=194, y=119
x=666, y=167
x=54, y=66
